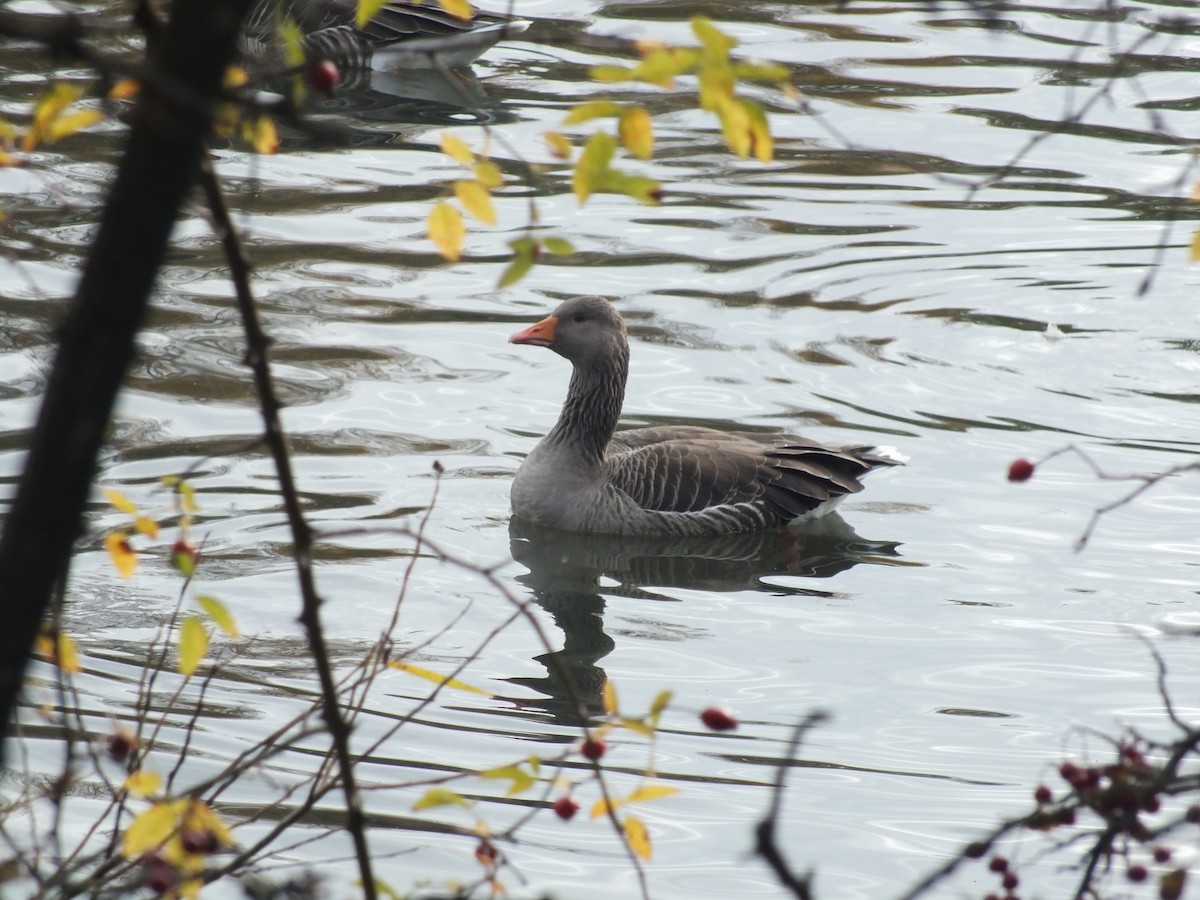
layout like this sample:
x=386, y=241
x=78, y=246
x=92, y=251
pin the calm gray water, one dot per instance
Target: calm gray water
x=854, y=288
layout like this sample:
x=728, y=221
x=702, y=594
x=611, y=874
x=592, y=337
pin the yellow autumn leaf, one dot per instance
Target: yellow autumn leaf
x=142, y=783
x=190, y=888
x=436, y=677
x=457, y=150
x=660, y=702
x=488, y=174
x=735, y=126
x=560, y=145
x=637, y=133
x=234, y=77
x=219, y=613
x=199, y=816
x=124, y=89
x=193, y=642
x=651, y=792
x=476, y=199
x=761, y=71
x=49, y=107
x=600, y=807
x=593, y=165
x=1195, y=254
x=593, y=109
x=60, y=652
x=147, y=526
x=762, y=145
x=120, y=502
x=459, y=8
x=8, y=160
x=150, y=830
x=447, y=231
x=367, y=10
x=638, y=726
x=123, y=556
x=521, y=780
x=262, y=135
x=610, y=74
x=66, y=125
x=558, y=246
x=713, y=39
x=638, y=837
x=608, y=696
x=439, y=796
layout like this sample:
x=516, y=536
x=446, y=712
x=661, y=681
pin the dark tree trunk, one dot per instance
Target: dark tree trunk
x=166, y=143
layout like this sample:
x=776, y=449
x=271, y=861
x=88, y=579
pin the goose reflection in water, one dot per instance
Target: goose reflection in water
x=566, y=568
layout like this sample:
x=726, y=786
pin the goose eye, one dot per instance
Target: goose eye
x=578, y=317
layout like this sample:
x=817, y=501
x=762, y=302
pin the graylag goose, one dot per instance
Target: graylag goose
x=402, y=35
x=586, y=476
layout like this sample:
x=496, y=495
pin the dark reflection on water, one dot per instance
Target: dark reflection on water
x=566, y=570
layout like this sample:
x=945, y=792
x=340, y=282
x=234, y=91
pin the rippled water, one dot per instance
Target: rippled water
x=872, y=282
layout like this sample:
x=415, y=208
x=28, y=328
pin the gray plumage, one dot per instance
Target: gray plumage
x=667, y=480
x=401, y=35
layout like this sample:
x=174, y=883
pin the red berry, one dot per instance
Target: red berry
x=198, y=840
x=565, y=807
x=1193, y=814
x=121, y=744
x=486, y=852
x=160, y=879
x=1162, y=855
x=718, y=718
x=998, y=864
x=1151, y=804
x=1043, y=794
x=1010, y=881
x=1069, y=772
x=593, y=748
x=1136, y=873
x=323, y=77
x=1020, y=470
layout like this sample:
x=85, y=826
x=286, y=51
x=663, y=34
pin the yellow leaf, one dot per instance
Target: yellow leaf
x=143, y=783
x=123, y=556
x=600, y=807
x=637, y=134
x=187, y=497
x=660, y=702
x=713, y=39
x=439, y=796
x=762, y=145
x=476, y=199
x=639, y=726
x=262, y=135
x=235, y=77
x=199, y=816
x=760, y=71
x=8, y=160
x=524, y=252
x=457, y=150
x=53, y=101
x=193, y=642
x=560, y=146
x=218, y=612
x=150, y=830
x=489, y=175
x=436, y=677
x=124, y=89
x=68, y=658
x=651, y=792
x=147, y=526
x=1195, y=255
x=608, y=696
x=459, y=8
x=595, y=109
x=120, y=502
x=447, y=231
x=367, y=10
x=61, y=652
x=593, y=165
x=735, y=126
x=611, y=74
x=521, y=780
x=190, y=889
x=293, y=44
x=558, y=246
x=638, y=837
x=65, y=126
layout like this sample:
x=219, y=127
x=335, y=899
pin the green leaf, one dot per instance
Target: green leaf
x=524, y=253
x=558, y=246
